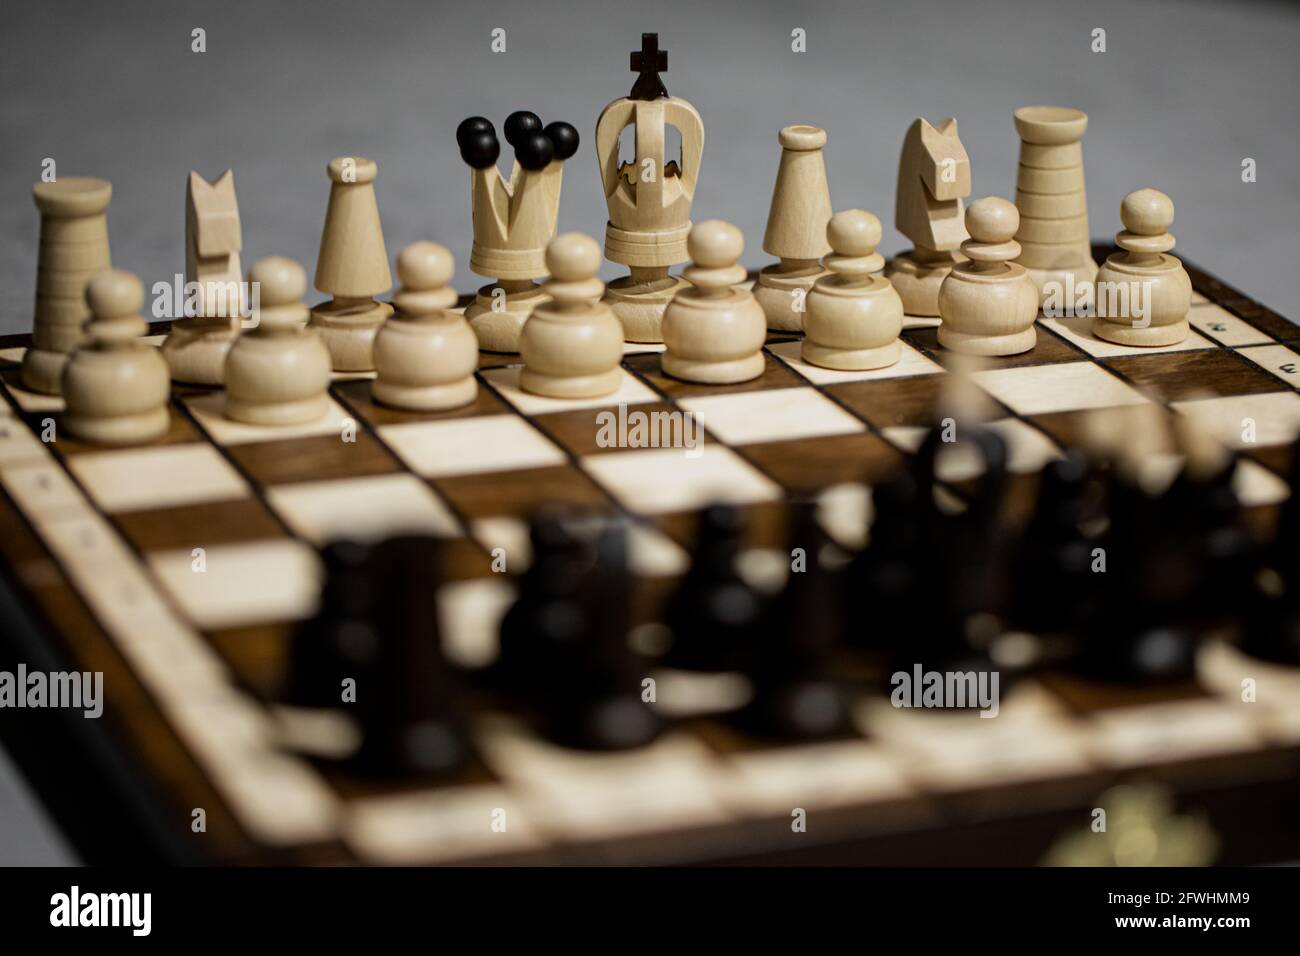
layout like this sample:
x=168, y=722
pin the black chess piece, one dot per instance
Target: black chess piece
x=932, y=586
x=1145, y=630
x=1270, y=626
x=1209, y=509
x=409, y=702
x=885, y=579
x=548, y=615
x=1055, y=586
x=341, y=636
x=564, y=139
x=477, y=139
x=713, y=612
x=791, y=659
x=593, y=698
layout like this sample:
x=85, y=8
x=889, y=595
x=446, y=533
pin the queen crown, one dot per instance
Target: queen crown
x=513, y=221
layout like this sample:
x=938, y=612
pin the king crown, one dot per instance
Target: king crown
x=514, y=221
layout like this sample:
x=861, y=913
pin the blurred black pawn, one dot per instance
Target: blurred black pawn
x=593, y=696
x=1055, y=584
x=1146, y=630
x=340, y=638
x=408, y=701
x=714, y=610
x=790, y=660
x=547, y=617
x=1271, y=619
x=884, y=581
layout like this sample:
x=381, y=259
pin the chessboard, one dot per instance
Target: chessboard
x=181, y=569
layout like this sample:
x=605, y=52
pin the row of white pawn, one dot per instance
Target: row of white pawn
x=116, y=387
x=278, y=373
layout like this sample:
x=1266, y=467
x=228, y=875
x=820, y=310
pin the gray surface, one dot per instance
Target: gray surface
x=1185, y=91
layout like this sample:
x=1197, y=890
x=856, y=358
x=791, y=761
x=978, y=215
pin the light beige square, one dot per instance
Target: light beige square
x=161, y=477
x=366, y=508
x=1277, y=360
x=1028, y=449
x=1224, y=327
x=1030, y=737
x=469, y=616
x=1078, y=329
x=665, y=785
x=666, y=479
x=436, y=826
x=465, y=446
x=1256, y=485
x=1160, y=733
x=1269, y=418
x=243, y=584
x=18, y=443
x=774, y=781
x=631, y=391
x=207, y=410
x=34, y=401
x=43, y=490
x=771, y=415
x=910, y=362
x=1069, y=386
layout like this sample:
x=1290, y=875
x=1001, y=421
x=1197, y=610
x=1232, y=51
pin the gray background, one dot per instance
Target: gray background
x=1184, y=92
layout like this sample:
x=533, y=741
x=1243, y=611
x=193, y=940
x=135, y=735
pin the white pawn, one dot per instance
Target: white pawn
x=278, y=373
x=852, y=318
x=988, y=305
x=714, y=331
x=572, y=345
x=425, y=355
x=1142, y=293
x=116, y=386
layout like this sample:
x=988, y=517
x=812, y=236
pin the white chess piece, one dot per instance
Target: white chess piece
x=425, y=354
x=278, y=373
x=713, y=330
x=1143, y=293
x=988, y=305
x=572, y=345
x=116, y=386
x=853, y=317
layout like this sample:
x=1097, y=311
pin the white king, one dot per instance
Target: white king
x=649, y=198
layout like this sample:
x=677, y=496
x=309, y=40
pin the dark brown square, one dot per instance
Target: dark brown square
x=203, y=525
x=806, y=465
x=765, y=525
x=648, y=366
x=179, y=431
x=1176, y=376
x=315, y=458
x=910, y=400
x=519, y=493
x=577, y=431
x=1049, y=348
x=357, y=396
x=1065, y=428
x=1278, y=459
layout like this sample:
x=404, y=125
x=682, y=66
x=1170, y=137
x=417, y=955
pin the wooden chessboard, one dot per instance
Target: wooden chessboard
x=99, y=556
